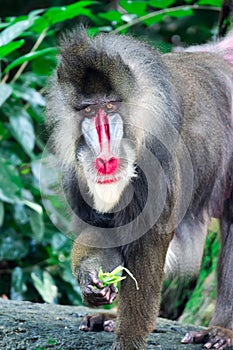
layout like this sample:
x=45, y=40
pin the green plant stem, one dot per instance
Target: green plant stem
x=6, y=76
x=162, y=12
x=35, y=47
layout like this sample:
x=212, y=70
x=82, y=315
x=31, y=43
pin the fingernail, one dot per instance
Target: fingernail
x=185, y=339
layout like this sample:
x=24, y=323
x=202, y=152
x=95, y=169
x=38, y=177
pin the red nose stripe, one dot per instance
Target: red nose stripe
x=102, y=128
x=106, y=163
x=106, y=166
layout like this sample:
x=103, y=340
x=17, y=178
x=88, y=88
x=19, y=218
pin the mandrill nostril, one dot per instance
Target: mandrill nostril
x=100, y=165
x=111, y=165
x=106, y=166
x=101, y=161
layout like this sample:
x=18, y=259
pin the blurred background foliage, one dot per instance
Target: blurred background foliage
x=34, y=255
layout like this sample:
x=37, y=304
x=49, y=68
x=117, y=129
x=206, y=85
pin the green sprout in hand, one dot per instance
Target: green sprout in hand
x=114, y=277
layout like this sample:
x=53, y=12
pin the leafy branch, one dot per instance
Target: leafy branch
x=172, y=11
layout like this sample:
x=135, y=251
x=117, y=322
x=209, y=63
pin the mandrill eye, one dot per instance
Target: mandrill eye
x=87, y=109
x=109, y=106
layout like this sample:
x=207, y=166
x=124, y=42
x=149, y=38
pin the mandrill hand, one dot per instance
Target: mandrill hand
x=95, y=294
x=212, y=338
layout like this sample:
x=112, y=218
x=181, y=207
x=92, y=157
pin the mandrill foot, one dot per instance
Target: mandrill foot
x=213, y=338
x=98, y=322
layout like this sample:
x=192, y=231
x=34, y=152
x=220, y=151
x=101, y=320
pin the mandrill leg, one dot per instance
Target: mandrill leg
x=137, y=309
x=220, y=333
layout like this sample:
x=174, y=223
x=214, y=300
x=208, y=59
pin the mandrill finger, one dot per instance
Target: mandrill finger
x=219, y=342
x=90, y=289
x=114, y=288
x=225, y=346
x=188, y=338
x=109, y=326
x=114, y=292
x=113, y=297
x=97, y=282
x=215, y=342
x=193, y=337
x=105, y=292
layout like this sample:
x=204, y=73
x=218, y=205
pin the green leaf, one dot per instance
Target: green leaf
x=101, y=274
x=1, y=213
x=32, y=79
x=136, y=7
x=4, y=132
x=72, y=292
x=18, y=286
x=8, y=48
x=113, y=280
x=161, y=4
x=59, y=14
x=179, y=13
x=44, y=65
x=112, y=16
x=129, y=17
x=37, y=224
x=20, y=214
x=4, y=25
x=13, y=31
x=36, y=167
x=29, y=57
x=12, y=153
x=113, y=277
x=217, y=3
x=28, y=94
x=36, y=12
x=10, y=182
x=45, y=285
x=59, y=243
x=12, y=246
x=5, y=92
x=96, y=30
x=155, y=19
x=21, y=127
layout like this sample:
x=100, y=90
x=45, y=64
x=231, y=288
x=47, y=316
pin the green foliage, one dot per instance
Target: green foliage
x=34, y=256
x=114, y=277
x=200, y=306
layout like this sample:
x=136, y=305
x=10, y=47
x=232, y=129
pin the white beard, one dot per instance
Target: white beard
x=106, y=196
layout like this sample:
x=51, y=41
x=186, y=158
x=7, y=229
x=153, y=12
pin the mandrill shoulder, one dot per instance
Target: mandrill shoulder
x=198, y=77
x=196, y=60
x=203, y=69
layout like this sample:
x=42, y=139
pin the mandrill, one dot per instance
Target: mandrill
x=145, y=144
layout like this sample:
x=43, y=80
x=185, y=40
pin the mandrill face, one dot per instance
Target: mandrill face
x=106, y=158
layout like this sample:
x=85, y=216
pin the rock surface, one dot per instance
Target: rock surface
x=31, y=326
